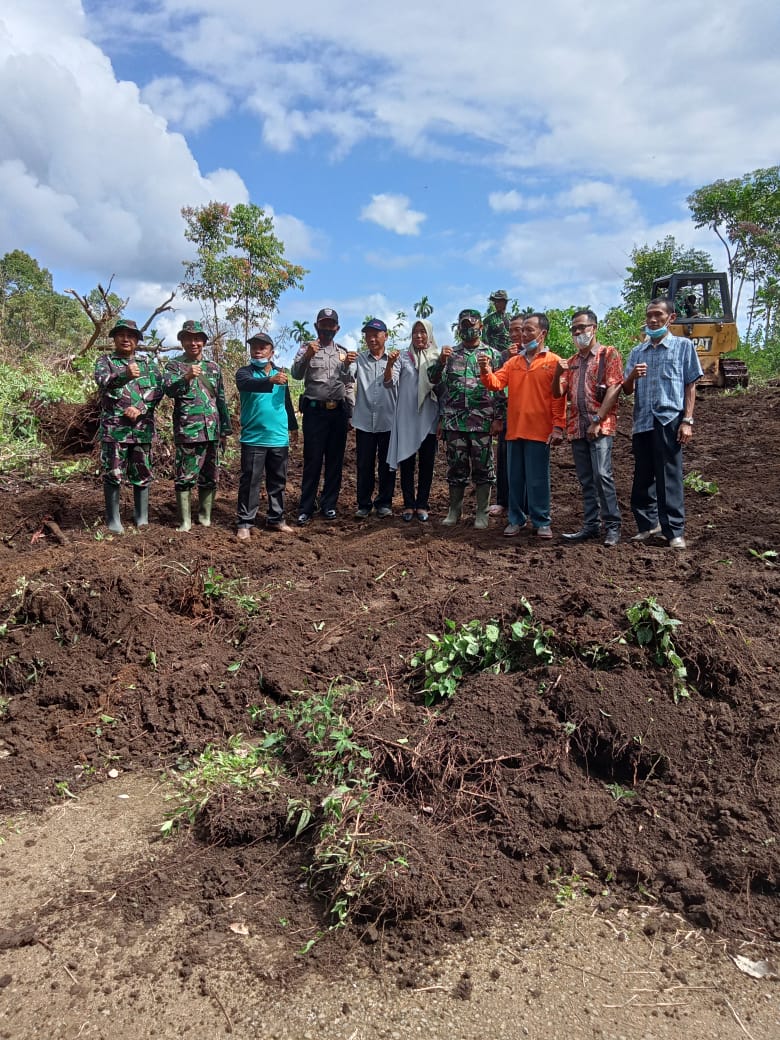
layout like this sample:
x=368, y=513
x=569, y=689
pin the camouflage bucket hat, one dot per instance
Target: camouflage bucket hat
x=195, y=328
x=499, y=294
x=126, y=325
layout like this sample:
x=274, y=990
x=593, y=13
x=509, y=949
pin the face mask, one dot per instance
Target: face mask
x=656, y=333
x=469, y=334
x=531, y=347
x=583, y=339
x=326, y=335
x=259, y=362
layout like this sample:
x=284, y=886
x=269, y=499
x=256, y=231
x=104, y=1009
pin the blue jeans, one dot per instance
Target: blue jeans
x=593, y=463
x=528, y=474
x=657, y=492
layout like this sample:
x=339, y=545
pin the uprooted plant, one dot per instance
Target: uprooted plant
x=653, y=628
x=477, y=647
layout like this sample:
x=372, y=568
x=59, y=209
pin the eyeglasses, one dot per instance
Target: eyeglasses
x=577, y=329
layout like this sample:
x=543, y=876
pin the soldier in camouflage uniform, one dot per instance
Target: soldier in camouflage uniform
x=495, y=324
x=470, y=416
x=129, y=390
x=201, y=422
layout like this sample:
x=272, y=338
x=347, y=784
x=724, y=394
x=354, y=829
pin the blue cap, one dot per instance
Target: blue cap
x=375, y=323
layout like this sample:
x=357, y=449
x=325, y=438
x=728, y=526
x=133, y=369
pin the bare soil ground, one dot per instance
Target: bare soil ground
x=578, y=778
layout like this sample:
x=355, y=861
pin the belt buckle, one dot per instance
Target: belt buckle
x=330, y=405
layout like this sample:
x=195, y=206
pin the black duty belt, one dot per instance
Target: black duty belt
x=329, y=405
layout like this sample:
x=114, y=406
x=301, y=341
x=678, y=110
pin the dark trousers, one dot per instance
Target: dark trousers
x=324, y=442
x=502, y=481
x=593, y=463
x=370, y=448
x=657, y=492
x=424, y=458
x=528, y=465
x=256, y=463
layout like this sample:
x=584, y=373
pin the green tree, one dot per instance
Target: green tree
x=744, y=213
x=423, y=308
x=32, y=314
x=239, y=271
x=301, y=333
x=651, y=262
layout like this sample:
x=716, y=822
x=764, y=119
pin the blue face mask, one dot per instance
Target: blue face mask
x=531, y=347
x=656, y=333
x=259, y=362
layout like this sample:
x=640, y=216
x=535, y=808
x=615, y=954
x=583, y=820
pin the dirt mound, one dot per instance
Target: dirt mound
x=580, y=761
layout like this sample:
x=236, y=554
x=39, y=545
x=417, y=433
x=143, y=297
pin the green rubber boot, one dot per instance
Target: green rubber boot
x=113, y=518
x=141, y=506
x=184, y=509
x=457, y=491
x=206, y=498
x=482, y=495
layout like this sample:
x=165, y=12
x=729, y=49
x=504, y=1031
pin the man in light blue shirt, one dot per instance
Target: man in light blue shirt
x=662, y=372
x=372, y=420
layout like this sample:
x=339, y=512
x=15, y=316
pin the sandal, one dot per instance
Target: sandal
x=407, y=515
x=422, y=516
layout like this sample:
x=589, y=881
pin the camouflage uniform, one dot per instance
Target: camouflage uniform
x=495, y=330
x=126, y=446
x=468, y=410
x=200, y=419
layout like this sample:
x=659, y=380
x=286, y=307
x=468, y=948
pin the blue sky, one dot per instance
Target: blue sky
x=403, y=149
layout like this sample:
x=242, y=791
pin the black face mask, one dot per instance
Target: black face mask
x=326, y=335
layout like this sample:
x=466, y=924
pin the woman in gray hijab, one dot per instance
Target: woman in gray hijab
x=413, y=433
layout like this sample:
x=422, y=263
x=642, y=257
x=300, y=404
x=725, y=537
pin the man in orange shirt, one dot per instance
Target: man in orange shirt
x=534, y=421
x=591, y=381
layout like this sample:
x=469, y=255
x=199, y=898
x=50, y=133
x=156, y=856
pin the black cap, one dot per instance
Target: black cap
x=260, y=337
x=329, y=314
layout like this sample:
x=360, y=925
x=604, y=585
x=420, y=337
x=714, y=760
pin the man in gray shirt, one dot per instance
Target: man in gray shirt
x=372, y=420
x=325, y=368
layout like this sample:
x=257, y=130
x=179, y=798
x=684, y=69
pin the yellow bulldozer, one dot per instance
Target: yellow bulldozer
x=703, y=304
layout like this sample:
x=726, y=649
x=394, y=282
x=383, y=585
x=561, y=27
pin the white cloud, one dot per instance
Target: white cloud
x=393, y=213
x=300, y=241
x=189, y=106
x=90, y=177
x=505, y=201
x=588, y=99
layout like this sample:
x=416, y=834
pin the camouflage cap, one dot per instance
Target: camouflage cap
x=195, y=328
x=125, y=325
x=499, y=294
x=470, y=312
x=260, y=337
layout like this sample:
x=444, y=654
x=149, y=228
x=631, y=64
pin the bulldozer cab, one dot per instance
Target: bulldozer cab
x=702, y=303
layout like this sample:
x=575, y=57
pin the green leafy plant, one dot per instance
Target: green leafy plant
x=217, y=586
x=477, y=647
x=619, y=792
x=652, y=627
x=767, y=557
x=694, y=481
x=241, y=764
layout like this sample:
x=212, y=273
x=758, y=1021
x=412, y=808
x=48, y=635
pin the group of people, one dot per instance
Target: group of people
x=498, y=398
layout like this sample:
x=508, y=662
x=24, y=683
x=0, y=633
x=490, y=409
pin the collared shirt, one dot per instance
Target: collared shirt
x=325, y=376
x=267, y=413
x=672, y=365
x=200, y=411
x=374, y=401
x=466, y=404
x=532, y=409
x=579, y=386
x=118, y=390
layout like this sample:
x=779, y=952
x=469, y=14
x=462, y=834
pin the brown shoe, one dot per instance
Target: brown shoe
x=243, y=534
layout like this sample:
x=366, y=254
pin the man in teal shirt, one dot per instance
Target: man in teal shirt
x=267, y=420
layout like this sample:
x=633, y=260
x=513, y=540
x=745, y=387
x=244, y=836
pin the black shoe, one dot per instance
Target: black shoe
x=613, y=538
x=330, y=515
x=582, y=536
x=303, y=519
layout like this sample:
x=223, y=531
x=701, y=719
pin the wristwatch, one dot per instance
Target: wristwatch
x=595, y=419
x=688, y=422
